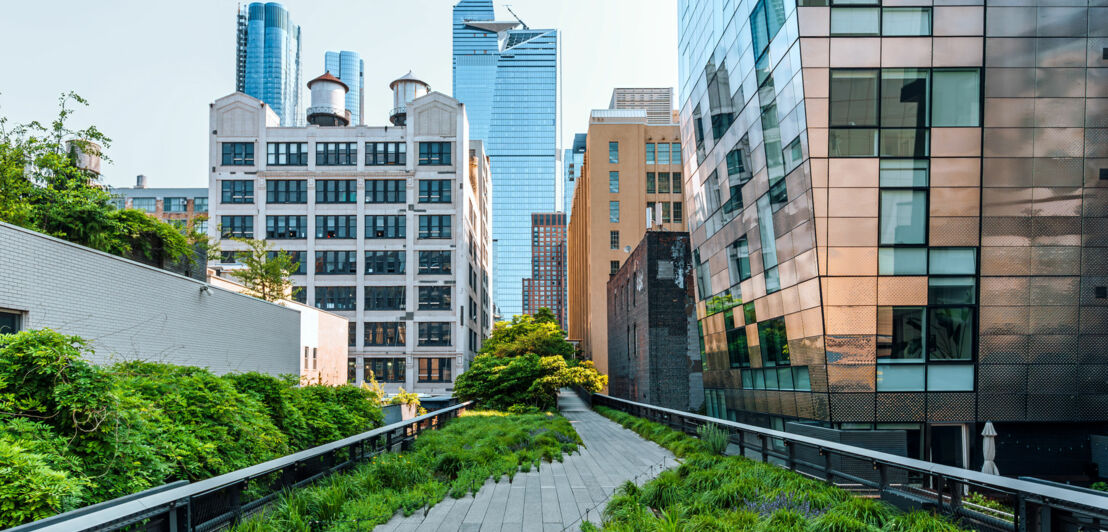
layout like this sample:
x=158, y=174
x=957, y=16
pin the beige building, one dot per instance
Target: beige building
x=631, y=180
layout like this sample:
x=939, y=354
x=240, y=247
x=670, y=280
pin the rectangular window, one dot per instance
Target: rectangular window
x=434, y=297
x=10, y=322
x=336, y=191
x=384, y=298
x=903, y=173
x=236, y=226
x=238, y=191
x=434, y=262
x=676, y=182
x=335, y=298
x=434, y=153
x=238, y=153
x=286, y=191
x=147, y=204
x=386, y=226
x=675, y=153
x=351, y=341
x=858, y=21
x=650, y=182
x=956, y=98
x=778, y=195
x=650, y=153
x=666, y=216
x=175, y=204
x=286, y=154
x=769, y=244
x=434, y=370
x=678, y=215
x=336, y=154
x=434, y=333
x=738, y=255
x=853, y=99
x=774, y=342
x=663, y=182
x=900, y=334
x=200, y=205
x=297, y=258
x=613, y=267
x=286, y=227
x=385, y=191
x=613, y=211
x=384, y=262
x=385, y=369
x=613, y=182
x=766, y=18
x=905, y=21
x=738, y=354
x=613, y=152
x=434, y=190
x=386, y=153
x=903, y=217
x=902, y=261
x=228, y=257
x=335, y=263
x=336, y=226
x=613, y=239
x=904, y=97
x=384, y=333
x=663, y=155
x=434, y=226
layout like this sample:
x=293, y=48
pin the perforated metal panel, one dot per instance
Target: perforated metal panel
x=1007, y=378
x=901, y=407
x=1093, y=407
x=852, y=407
x=1002, y=348
x=1052, y=407
x=1001, y=407
x=1053, y=349
x=953, y=406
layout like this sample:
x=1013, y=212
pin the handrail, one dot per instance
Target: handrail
x=174, y=505
x=1036, y=502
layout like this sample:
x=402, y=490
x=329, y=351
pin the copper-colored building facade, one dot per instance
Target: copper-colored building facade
x=898, y=221
x=546, y=288
x=631, y=167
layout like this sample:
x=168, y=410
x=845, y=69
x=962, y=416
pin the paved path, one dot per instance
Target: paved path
x=556, y=497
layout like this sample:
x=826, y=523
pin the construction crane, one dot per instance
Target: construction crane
x=521, y=22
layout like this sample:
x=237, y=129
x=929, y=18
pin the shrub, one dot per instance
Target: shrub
x=714, y=437
x=30, y=488
x=524, y=381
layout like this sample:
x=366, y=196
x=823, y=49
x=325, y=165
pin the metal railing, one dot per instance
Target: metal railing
x=219, y=502
x=904, y=482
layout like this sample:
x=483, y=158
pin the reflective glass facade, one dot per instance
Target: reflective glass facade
x=268, y=66
x=573, y=163
x=508, y=79
x=349, y=67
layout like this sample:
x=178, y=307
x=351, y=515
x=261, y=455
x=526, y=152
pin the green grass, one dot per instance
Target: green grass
x=709, y=492
x=455, y=460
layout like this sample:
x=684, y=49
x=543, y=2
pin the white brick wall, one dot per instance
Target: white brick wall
x=129, y=311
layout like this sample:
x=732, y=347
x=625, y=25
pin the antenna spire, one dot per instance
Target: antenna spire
x=522, y=23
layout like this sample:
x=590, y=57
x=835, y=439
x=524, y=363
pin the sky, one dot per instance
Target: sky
x=150, y=69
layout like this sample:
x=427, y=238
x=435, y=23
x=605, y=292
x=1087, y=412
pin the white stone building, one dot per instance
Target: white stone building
x=391, y=224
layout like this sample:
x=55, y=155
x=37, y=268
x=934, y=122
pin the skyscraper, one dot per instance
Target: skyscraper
x=546, y=288
x=268, y=59
x=656, y=101
x=572, y=164
x=350, y=69
x=506, y=74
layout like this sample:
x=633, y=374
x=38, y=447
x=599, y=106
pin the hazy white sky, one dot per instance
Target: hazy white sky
x=150, y=69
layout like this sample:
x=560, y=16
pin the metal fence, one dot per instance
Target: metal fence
x=904, y=482
x=219, y=502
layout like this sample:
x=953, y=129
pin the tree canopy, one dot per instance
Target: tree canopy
x=538, y=333
x=267, y=272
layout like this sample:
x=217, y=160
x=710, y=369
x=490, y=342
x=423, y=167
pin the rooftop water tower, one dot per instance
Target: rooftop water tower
x=328, y=101
x=404, y=90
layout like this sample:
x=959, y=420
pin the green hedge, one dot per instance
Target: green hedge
x=73, y=434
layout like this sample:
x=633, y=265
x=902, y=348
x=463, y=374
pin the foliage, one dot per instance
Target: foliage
x=404, y=397
x=998, y=508
x=43, y=189
x=714, y=437
x=538, y=334
x=73, y=434
x=713, y=492
x=455, y=461
x=527, y=380
x=1100, y=486
x=267, y=277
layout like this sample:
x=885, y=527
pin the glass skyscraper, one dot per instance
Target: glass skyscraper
x=349, y=67
x=572, y=163
x=507, y=76
x=268, y=65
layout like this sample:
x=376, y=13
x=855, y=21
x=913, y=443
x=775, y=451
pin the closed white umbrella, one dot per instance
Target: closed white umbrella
x=988, y=448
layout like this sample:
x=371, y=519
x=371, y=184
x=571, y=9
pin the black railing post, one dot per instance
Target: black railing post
x=1021, y=513
x=1046, y=518
x=828, y=474
x=762, y=447
x=940, y=485
x=236, y=502
x=790, y=452
x=742, y=444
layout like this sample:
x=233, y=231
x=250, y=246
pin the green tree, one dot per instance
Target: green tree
x=267, y=276
x=538, y=334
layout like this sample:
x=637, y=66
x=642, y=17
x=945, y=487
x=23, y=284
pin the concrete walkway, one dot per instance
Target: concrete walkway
x=556, y=497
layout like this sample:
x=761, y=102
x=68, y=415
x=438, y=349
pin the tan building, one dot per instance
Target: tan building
x=631, y=180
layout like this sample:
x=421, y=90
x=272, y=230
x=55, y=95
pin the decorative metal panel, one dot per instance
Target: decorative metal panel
x=995, y=378
x=1001, y=407
x=954, y=406
x=901, y=407
x=852, y=407
x=1057, y=407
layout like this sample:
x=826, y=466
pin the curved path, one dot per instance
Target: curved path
x=559, y=495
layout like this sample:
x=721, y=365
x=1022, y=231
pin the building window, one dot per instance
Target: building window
x=906, y=21
x=873, y=21
x=903, y=217
x=676, y=182
x=175, y=204
x=384, y=262
x=613, y=239
x=286, y=227
x=10, y=322
x=386, y=226
x=434, y=333
x=385, y=191
x=351, y=363
x=434, y=370
x=666, y=217
x=335, y=191
x=200, y=226
x=663, y=154
x=384, y=333
x=769, y=245
x=384, y=369
x=650, y=183
x=287, y=154
x=351, y=341
x=286, y=191
x=738, y=353
x=678, y=215
x=613, y=267
x=335, y=298
x=238, y=153
x=336, y=154
x=956, y=98
x=434, y=297
x=297, y=258
x=434, y=226
x=385, y=298
x=386, y=153
x=774, y=342
x=613, y=212
x=650, y=153
x=434, y=262
x=335, y=263
x=434, y=190
x=663, y=182
x=300, y=294
x=199, y=205
x=434, y=153
x=675, y=153
x=738, y=261
x=613, y=152
x=145, y=204
x=236, y=226
x=613, y=182
x=336, y=226
x=238, y=191
x=228, y=257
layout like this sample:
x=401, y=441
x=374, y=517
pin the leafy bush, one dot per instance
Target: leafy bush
x=523, y=381
x=714, y=437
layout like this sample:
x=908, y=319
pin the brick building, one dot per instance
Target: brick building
x=547, y=285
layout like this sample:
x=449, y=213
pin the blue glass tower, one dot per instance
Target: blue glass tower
x=268, y=59
x=349, y=67
x=507, y=76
